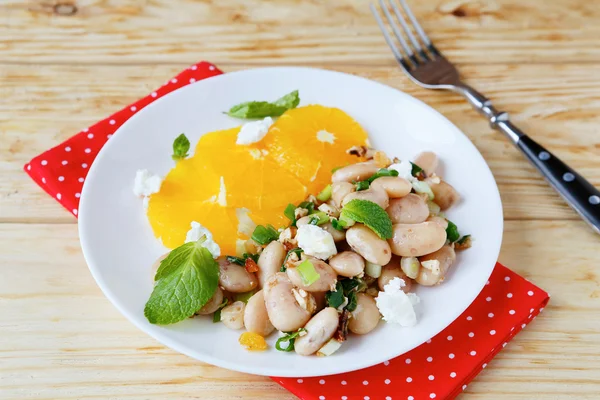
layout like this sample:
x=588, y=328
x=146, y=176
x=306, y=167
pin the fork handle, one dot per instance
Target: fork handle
x=580, y=194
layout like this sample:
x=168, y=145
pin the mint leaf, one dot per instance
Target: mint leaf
x=335, y=298
x=416, y=170
x=452, y=232
x=186, y=281
x=370, y=214
x=261, y=109
x=181, y=146
x=289, y=338
x=352, y=301
x=264, y=234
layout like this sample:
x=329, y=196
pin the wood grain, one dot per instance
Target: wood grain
x=560, y=108
x=289, y=31
x=61, y=338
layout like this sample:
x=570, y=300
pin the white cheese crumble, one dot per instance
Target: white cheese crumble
x=404, y=169
x=432, y=265
x=396, y=306
x=146, y=183
x=325, y=137
x=252, y=132
x=198, y=231
x=316, y=242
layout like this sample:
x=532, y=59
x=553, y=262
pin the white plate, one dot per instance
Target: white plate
x=119, y=246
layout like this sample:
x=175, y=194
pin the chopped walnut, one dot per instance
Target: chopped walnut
x=342, y=331
x=300, y=212
x=358, y=151
x=381, y=159
x=251, y=265
x=288, y=234
x=304, y=300
x=311, y=198
x=463, y=243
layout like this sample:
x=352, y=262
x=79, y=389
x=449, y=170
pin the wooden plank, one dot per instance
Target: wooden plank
x=561, y=107
x=62, y=339
x=289, y=31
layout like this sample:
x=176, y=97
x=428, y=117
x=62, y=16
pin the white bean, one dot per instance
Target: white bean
x=391, y=271
x=232, y=315
x=410, y=209
x=213, y=304
x=338, y=236
x=355, y=172
x=427, y=160
x=370, y=246
x=285, y=313
x=339, y=190
x=445, y=257
x=415, y=240
x=326, y=281
x=319, y=330
x=394, y=186
x=347, y=263
x=366, y=315
x=376, y=195
x=444, y=194
x=256, y=318
x=270, y=261
x=234, y=278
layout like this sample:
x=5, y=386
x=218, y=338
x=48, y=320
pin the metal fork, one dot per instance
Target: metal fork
x=426, y=66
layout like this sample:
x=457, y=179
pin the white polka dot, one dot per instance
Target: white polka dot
x=473, y=352
x=174, y=80
x=488, y=299
x=321, y=397
x=512, y=312
x=88, y=150
x=344, y=398
x=512, y=329
x=78, y=195
x=367, y=398
x=531, y=310
x=64, y=162
x=322, y=381
x=387, y=381
x=491, y=315
x=409, y=379
x=484, y=365
x=80, y=179
x=509, y=295
x=386, y=363
x=544, y=155
x=429, y=359
x=523, y=326
x=365, y=383
x=133, y=108
x=90, y=135
x=451, y=356
x=431, y=377
x=469, y=318
x=61, y=178
x=595, y=200
x=108, y=136
x=530, y=293
x=67, y=148
x=112, y=122
x=507, y=278
x=192, y=80
x=408, y=361
x=212, y=67
x=471, y=334
x=28, y=167
x=432, y=396
x=464, y=387
x=504, y=344
x=300, y=380
x=429, y=341
x=388, y=397
x=452, y=374
x=487, y=283
x=568, y=177
x=75, y=211
x=84, y=165
x=43, y=180
x=44, y=162
x=86, y=129
x=410, y=398
x=58, y=196
x=344, y=382
x=541, y=309
x=449, y=338
x=492, y=332
x=194, y=67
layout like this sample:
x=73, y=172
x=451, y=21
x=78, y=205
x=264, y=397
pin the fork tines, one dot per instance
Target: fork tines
x=415, y=53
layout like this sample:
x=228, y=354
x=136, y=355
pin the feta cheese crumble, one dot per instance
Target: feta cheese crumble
x=404, y=169
x=252, y=132
x=198, y=231
x=146, y=183
x=396, y=306
x=316, y=242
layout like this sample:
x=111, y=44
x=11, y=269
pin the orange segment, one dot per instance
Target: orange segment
x=310, y=141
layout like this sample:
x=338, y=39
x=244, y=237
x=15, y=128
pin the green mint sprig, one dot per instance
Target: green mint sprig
x=181, y=146
x=262, y=109
x=370, y=214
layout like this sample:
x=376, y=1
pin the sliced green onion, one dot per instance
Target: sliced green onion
x=335, y=299
x=337, y=224
x=308, y=273
x=290, y=212
x=236, y=260
x=416, y=170
x=423, y=187
x=325, y=193
x=352, y=301
x=452, y=232
x=244, y=296
x=382, y=172
x=410, y=266
x=265, y=234
x=362, y=185
x=318, y=218
x=373, y=270
x=434, y=209
x=308, y=205
x=290, y=338
x=217, y=314
x=329, y=348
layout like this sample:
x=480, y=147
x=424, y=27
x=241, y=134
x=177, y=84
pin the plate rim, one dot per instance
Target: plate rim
x=174, y=344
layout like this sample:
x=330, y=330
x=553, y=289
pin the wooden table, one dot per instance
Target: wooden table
x=66, y=64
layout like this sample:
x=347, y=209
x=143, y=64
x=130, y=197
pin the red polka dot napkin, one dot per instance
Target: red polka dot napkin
x=439, y=369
